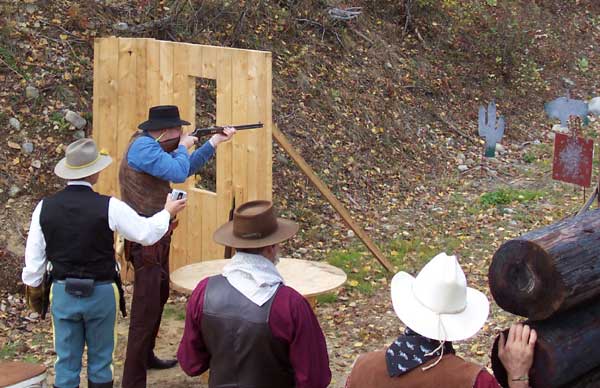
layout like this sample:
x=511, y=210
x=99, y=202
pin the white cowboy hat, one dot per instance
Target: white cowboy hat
x=437, y=304
x=81, y=160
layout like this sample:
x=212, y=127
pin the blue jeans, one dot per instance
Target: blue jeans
x=79, y=321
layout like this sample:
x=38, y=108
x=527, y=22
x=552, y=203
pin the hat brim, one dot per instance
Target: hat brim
x=285, y=229
x=63, y=171
x=425, y=322
x=155, y=125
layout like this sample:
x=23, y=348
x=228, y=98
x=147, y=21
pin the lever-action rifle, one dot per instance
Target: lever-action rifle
x=218, y=129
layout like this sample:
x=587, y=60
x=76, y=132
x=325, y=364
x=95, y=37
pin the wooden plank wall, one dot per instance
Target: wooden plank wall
x=131, y=75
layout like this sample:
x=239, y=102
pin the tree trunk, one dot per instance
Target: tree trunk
x=550, y=269
x=567, y=352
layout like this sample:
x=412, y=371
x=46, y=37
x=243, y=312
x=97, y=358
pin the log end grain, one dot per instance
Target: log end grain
x=523, y=280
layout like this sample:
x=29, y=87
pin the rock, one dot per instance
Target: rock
x=500, y=148
x=302, y=250
x=31, y=8
x=350, y=233
x=469, y=162
x=75, y=119
x=121, y=26
x=79, y=134
x=559, y=129
x=27, y=147
x=450, y=142
x=388, y=66
x=460, y=158
x=508, y=210
x=281, y=158
x=594, y=106
x=13, y=191
x=568, y=82
x=36, y=164
x=462, y=167
x=32, y=92
x=536, y=142
x=16, y=124
x=34, y=315
x=390, y=227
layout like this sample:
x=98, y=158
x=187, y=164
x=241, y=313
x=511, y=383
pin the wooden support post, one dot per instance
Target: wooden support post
x=337, y=205
x=566, y=352
x=550, y=269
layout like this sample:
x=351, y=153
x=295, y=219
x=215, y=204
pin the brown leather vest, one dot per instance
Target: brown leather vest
x=243, y=351
x=370, y=370
x=145, y=193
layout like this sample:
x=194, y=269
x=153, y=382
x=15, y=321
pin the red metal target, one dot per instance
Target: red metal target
x=573, y=159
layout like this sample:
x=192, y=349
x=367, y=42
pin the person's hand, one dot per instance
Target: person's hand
x=516, y=352
x=187, y=140
x=218, y=138
x=35, y=297
x=174, y=206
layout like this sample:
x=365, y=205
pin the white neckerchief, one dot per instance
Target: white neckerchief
x=79, y=183
x=255, y=276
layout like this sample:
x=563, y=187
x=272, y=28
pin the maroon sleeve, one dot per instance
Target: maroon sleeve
x=293, y=320
x=192, y=354
x=485, y=380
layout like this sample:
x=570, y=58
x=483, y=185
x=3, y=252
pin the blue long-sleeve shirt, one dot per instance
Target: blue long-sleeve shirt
x=146, y=155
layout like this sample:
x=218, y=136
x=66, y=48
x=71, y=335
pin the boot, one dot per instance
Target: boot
x=156, y=363
x=91, y=384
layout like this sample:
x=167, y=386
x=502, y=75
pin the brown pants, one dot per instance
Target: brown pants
x=150, y=293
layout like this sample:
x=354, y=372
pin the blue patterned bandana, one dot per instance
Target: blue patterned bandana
x=411, y=350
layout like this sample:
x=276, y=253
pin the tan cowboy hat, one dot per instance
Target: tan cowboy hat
x=255, y=225
x=437, y=303
x=81, y=160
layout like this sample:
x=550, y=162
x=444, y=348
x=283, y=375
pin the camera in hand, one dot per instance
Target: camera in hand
x=178, y=194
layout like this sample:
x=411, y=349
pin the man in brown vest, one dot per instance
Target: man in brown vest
x=437, y=307
x=156, y=156
x=248, y=327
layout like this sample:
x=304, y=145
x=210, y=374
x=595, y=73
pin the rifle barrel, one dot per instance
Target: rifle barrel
x=219, y=129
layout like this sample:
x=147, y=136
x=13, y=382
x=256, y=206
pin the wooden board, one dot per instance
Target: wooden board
x=309, y=278
x=337, y=205
x=132, y=75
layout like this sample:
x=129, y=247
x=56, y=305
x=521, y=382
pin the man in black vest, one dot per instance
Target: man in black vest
x=249, y=328
x=73, y=231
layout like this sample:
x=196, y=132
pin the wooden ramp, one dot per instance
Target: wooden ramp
x=131, y=75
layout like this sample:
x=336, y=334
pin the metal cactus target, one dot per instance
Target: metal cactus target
x=490, y=129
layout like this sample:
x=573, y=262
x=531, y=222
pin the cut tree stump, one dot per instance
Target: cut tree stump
x=550, y=269
x=566, y=353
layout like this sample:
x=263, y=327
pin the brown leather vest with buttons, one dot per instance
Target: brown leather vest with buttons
x=370, y=370
x=145, y=193
x=243, y=351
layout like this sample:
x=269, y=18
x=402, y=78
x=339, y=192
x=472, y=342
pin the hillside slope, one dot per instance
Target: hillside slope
x=383, y=106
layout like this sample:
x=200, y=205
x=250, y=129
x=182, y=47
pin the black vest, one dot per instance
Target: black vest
x=243, y=351
x=79, y=242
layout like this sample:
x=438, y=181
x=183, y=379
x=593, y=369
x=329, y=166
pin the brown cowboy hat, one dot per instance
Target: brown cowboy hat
x=255, y=225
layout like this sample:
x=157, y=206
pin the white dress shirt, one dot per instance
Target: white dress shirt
x=121, y=218
x=255, y=276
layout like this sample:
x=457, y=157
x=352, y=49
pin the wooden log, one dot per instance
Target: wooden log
x=566, y=353
x=550, y=269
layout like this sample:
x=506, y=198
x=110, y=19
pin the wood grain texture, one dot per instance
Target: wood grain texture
x=132, y=75
x=566, y=352
x=550, y=269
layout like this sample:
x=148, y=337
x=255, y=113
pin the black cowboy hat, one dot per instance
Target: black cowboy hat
x=161, y=117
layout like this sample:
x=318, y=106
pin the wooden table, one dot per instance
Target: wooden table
x=309, y=278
